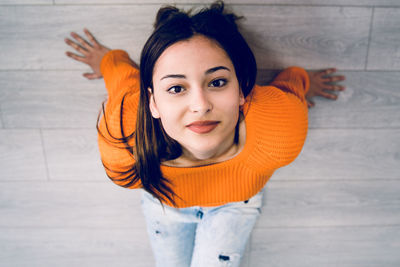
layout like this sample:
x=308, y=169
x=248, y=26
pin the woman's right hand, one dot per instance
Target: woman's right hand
x=92, y=52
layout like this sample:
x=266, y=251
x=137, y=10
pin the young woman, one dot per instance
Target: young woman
x=193, y=131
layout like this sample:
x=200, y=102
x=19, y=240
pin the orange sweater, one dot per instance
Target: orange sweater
x=276, y=129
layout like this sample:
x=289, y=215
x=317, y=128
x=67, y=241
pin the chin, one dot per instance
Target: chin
x=203, y=153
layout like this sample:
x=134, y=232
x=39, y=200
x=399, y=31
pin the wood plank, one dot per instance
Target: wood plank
x=46, y=49
x=330, y=203
x=50, y=99
x=73, y=155
x=26, y=2
x=324, y=2
x=286, y=204
x=371, y=100
x=21, y=156
x=329, y=154
x=77, y=247
x=326, y=246
x=312, y=37
x=65, y=247
x=259, y=2
x=1, y=118
x=384, y=52
x=280, y=35
x=70, y=205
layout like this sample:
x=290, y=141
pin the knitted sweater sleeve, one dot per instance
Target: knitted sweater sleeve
x=118, y=73
x=281, y=115
x=119, y=116
x=293, y=80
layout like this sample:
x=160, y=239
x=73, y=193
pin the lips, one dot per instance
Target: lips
x=202, y=127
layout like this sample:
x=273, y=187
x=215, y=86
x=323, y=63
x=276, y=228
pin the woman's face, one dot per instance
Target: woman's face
x=197, y=97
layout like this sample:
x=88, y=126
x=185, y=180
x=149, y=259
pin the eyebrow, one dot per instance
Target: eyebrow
x=209, y=71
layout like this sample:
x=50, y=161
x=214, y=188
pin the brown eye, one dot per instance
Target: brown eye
x=218, y=83
x=175, y=90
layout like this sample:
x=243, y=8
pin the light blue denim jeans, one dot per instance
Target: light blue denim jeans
x=200, y=236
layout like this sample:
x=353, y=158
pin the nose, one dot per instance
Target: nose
x=200, y=102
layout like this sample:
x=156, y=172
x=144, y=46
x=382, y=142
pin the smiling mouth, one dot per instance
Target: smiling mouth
x=202, y=127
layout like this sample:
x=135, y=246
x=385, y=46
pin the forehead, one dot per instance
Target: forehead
x=198, y=51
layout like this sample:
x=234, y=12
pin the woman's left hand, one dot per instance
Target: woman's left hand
x=320, y=83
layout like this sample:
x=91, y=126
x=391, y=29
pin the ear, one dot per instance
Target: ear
x=242, y=99
x=153, y=106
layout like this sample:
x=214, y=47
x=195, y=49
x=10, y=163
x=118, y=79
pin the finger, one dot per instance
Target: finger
x=75, y=46
x=334, y=87
x=82, y=41
x=91, y=76
x=91, y=37
x=334, y=78
x=76, y=57
x=327, y=95
x=328, y=71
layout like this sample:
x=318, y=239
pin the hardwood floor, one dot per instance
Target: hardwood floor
x=337, y=204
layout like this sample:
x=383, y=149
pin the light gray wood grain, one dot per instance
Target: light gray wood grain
x=260, y=2
x=55, y=99
x=21, y=156
x=70, y=205
x=286, y=204
x=326, y=246
x=26, y=2
x=280, y=36
x=337, y=154
x=50, y=99
x=371, y=100
x=1, y=118
x=73, y=155
x=325, y=2
x=312, y=37
x=384, y=52
x=39, y=44
x=330, y=203
x=336, y=205
x=65, y=247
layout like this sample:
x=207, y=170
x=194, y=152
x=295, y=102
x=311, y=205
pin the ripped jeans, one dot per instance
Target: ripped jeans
x=200, y=236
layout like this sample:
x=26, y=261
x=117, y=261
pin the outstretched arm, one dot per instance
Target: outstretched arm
x=321, y=84
x=91, y=52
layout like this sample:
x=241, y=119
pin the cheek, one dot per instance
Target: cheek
x=171, y=118
x=228, y=103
